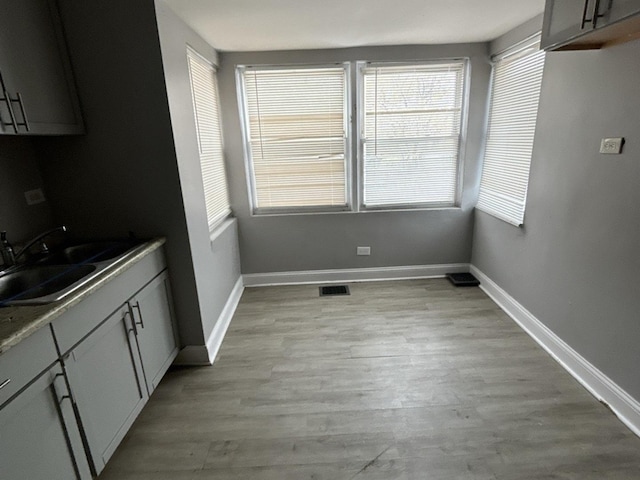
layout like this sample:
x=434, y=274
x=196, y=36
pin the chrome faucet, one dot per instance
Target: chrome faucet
x=39, y=238
x=6, y=250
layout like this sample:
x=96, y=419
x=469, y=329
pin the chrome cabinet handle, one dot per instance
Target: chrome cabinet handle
x=141, y=322
x=59, y=399
x=129, y=313
x=6, y=97
x=25, y=120
x=595, y=16
x=584, y=15
x=5, y=383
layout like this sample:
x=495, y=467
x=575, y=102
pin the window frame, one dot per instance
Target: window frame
x=213, y=221
x=240, y=70
x=514, y=50
x=360, y=122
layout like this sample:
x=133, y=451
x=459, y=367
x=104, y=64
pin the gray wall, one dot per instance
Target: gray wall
x=19, y=172
x=122, y=175
x=217, y=261
x=509, y=39
x=327, y=241
x=575, y=263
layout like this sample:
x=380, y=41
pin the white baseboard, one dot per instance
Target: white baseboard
x=626, y=408
x=206, y=354
x=352, y=275
x=220, y=329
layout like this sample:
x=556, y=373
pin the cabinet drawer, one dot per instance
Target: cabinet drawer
x=20, y=365
x=83, y=318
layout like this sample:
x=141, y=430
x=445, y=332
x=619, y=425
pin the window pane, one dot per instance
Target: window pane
x=295, y=129
x=206, y=105
x=517, y=78
x=411, y=133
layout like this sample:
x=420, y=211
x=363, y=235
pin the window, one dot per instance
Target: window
x=411, y=119
x=517, y=77
x=204, y=91
x=296, y=142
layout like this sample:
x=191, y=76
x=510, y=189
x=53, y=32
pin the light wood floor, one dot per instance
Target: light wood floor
x=400, y=380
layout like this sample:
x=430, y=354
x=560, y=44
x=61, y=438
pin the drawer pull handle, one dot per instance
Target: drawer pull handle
x=60, y=399
x=137, y=307
x=8, y=100
x=25, y=120
x=6, y=97
x=594, y=16
x=5, y=383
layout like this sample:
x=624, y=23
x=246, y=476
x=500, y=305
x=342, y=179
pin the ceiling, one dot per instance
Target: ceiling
x=248, y=25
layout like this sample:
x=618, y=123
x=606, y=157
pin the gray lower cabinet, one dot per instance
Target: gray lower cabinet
x=39, y=436
x=155, y=329
x=107, y=381
x=39, y=96
x=70, y=391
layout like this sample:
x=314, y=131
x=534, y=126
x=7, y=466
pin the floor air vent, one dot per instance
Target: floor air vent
x=463, y=279
x=334, y=290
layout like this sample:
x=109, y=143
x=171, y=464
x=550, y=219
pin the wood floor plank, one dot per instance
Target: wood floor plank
x=400, y=380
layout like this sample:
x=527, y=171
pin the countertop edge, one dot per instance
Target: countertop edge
x=33, y=318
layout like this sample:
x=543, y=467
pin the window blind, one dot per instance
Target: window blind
x=410, y=133
x=517, y=78
x=204, y=90
x=295, y=130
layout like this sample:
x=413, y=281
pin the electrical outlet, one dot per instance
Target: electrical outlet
x=363, y=250
x=611, y=146
x=34, y=197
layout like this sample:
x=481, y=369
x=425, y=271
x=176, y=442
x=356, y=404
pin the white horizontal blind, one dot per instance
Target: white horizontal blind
x=411, y=133
x=517, y=77
x=206, y=105
x=296, y=135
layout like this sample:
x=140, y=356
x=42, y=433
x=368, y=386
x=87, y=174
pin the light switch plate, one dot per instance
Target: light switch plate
x=611, y=146
x=34, y=197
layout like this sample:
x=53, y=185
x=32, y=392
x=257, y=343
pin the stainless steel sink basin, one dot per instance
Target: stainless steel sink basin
x=40, y=281
x=61, y=272
x=94, y=252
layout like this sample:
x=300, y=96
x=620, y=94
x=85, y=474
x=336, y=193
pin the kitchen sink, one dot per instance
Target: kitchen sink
x=40, y=281
x=94, y=252
x=60, y=272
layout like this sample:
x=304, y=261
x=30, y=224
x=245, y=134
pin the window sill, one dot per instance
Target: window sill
x=502, y=218
x=352, y=212
x=220, y=228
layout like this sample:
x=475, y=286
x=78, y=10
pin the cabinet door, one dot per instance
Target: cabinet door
x=106, y=379
x=34, y=62
x=615, y=10
x=563, y=20
x=39, y=436
x=153, y=315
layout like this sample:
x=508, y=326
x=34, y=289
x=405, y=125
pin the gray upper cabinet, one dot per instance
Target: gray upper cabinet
x=156, y=336
x=613, y=11
x=563, y=20
x=589, y=24
x=39, y=96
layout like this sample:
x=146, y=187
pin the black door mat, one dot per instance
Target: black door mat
x=463, y=279
x=334, y=290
